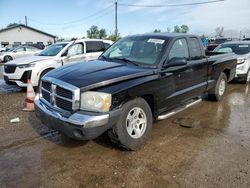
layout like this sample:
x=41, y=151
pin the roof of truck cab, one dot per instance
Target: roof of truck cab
x=237, y=42
x=165, y=35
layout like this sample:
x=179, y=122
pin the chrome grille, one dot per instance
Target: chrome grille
x=66, y=105
x=54, y=93
x=46, y=85
x=64, y=92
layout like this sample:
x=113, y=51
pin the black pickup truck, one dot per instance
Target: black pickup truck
x=137, y=80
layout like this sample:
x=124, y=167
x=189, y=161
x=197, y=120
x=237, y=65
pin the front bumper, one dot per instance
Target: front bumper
x=80, y=125
x=19, y=76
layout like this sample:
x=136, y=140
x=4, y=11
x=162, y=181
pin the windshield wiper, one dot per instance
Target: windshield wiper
x=126, y=60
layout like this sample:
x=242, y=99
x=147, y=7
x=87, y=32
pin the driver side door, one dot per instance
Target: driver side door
x=74, y=53
x=182, y=74
x=19, y=52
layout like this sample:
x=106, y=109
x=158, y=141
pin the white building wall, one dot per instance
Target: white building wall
x=23, y=35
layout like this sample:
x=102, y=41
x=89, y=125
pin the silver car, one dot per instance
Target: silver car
x=242, y=50
x=20, y=51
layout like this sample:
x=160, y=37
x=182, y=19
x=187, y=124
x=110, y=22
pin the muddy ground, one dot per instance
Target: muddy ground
x=214, y=153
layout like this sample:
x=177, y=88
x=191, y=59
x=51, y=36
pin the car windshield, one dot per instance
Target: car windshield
x=52, y=50
x=239, y=49
x=10, y=49
x=139, y=50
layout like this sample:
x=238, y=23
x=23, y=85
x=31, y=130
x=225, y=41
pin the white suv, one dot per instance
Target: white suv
x=242, y=50
x=20, y=70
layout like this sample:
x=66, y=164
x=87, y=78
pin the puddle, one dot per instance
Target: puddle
x=4, y=88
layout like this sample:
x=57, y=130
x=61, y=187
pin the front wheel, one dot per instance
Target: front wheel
x=218, y=92
x=7, y=58
x=134, y=125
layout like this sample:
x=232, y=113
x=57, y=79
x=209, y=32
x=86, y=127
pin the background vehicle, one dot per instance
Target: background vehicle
x=242, y=50
x=211, y=46
x=246, y=39
x=138, y=79
x=20, y=51
x=54, y=56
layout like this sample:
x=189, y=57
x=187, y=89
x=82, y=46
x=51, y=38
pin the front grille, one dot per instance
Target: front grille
x=64, y=92
x=46, y=95
x=57, y=96
x=9, y=68
x=66, y=105
x=46, y=85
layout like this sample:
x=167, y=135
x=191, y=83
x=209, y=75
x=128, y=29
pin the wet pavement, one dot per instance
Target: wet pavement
x=215, y=152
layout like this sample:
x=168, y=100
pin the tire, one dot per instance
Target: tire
x=247, y=78
x=7, y=58
x=129, y=132
x=42, y=74
x=218, y=92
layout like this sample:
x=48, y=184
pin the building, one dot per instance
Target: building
x=21, y=34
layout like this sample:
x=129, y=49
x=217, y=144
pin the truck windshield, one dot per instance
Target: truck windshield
x=236, y=48
x=139, y=50
x=52, y=50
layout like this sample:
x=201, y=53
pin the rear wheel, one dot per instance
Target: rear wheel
x=134, y=125
x=7, y=58
x=218, y=92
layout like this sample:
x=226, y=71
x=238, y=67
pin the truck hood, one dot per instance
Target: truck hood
x=94, y=74
x=29, y=59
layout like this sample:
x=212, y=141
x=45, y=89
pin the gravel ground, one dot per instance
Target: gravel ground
x=214, y=153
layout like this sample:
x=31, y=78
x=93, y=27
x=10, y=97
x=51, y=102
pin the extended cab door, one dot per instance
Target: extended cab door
x=94, y=49
x=198, y=64
x=188, y=71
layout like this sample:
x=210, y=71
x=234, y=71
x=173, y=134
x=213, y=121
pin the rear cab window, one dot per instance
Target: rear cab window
x=94, y=46
x=195, y=48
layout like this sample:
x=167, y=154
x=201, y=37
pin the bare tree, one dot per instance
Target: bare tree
x=219, y=31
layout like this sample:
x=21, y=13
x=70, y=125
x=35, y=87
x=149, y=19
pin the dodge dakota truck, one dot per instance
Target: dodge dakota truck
x=138, y=79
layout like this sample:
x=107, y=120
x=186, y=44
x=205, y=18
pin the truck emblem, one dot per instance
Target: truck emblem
x=52, y=94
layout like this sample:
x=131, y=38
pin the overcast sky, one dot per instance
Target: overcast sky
x=67, y=18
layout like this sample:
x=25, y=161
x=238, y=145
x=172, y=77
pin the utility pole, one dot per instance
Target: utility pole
x=26, y=22
x=116, y=27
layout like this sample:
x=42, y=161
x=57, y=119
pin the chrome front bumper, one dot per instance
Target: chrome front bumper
x=80, y=125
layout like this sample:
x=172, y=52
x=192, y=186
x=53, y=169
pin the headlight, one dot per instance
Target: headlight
x=241, y=60
x=95, y=101
x=26, y=65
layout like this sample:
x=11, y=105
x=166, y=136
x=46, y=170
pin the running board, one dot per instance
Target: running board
x=171, y=113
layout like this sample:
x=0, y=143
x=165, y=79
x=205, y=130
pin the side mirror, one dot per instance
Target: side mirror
x=176, y=61
x=14, y=51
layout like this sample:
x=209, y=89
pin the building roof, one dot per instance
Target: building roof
x=28, y=27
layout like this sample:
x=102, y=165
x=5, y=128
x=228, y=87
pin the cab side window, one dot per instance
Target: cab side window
x=179, y=49
x=76, y=49
x=20, y=49
x=195, y=49
x=94, y=46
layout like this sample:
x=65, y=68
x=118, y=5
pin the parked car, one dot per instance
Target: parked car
x=40, y=46
x=20, y=51
x=211, y=46
x=138, y=79
x=242, y=49
x=246, y=39
x=20, y=70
